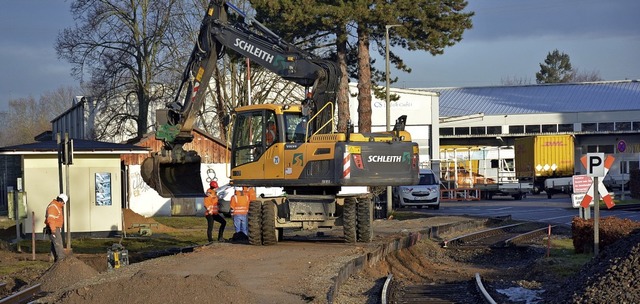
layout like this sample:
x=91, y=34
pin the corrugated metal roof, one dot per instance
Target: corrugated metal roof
x=79, y=145
x=545, y=98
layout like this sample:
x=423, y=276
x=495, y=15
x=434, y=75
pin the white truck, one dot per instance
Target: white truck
x=488, y=169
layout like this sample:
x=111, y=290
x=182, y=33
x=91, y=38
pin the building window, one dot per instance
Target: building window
x=600, y=149
x=589, y=127
x=623, y=126
x=549, y=128
x=605, y=126
x=516, y=129
x=103, y=189
x=446, y=131
x=606, y=149
x=565, y=128
x=462, y=130
x=478, y=130
x=494, y=130
x=532, y=129
x=627, y=166
x=636, y=125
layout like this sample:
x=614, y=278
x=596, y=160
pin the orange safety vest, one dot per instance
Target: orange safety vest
x=250, y=192
x=211, y=203
x=240, y=204
x=54, y=217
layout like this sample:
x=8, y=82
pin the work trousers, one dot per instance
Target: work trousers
x=240, y=222
x=57, y=249
x=217, y=218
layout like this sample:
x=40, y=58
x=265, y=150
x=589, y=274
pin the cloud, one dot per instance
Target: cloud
x=499, y=20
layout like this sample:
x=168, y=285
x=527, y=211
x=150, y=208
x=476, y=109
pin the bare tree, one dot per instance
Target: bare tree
x=516, y=81
x=28, y=117
x=585, y=76
x=124, y=48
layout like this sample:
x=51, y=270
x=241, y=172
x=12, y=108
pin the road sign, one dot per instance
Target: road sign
x=595, y=164
x=593, y=161
x=581, y=183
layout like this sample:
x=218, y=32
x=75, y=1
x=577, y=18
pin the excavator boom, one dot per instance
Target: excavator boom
x=174, y=172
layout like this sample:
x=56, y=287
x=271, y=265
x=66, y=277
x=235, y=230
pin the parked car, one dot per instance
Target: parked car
x=425, y=194
x=225, y=192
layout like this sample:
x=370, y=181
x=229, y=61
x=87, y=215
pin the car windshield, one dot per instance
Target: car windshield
x=427, y=179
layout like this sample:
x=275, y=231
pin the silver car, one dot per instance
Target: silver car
x=425, y=194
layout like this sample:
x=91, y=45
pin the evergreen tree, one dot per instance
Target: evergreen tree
x=427, y=25
x=556, y=68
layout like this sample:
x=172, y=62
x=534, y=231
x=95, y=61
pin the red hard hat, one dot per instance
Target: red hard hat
x=213, y=184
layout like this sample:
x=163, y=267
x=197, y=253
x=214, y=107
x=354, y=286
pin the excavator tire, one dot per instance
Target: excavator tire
x=349, y=220
x=254, y=219
x=364, y=220
x=269, y=233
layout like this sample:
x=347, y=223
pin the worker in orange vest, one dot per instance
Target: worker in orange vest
x=212, y=212
x=250, y=192
x=54, y=220
x=271, y=134
x=239, y=209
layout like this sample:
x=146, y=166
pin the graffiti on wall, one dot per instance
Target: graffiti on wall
x=138, y=186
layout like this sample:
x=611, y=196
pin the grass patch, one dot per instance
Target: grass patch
x=562, y=260
x=183, y=222
x=21, y=266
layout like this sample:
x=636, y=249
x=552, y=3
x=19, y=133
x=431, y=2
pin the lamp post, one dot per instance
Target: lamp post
x=388, y=102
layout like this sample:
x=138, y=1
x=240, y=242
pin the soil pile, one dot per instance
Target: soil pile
x=147, y=287
x=611, y=277
x=65, y=272
x=131, y=219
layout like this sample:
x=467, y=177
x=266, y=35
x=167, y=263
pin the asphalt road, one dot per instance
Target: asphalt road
x=557, y=210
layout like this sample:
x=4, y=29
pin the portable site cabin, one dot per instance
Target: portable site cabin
x=95, y=184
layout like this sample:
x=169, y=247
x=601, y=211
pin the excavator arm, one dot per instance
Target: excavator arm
x=174, y=172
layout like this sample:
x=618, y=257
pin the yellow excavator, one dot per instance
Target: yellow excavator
x=325, y=175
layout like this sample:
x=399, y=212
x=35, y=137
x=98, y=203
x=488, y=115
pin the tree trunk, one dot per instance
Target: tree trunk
x=364, y=81
x=343, y=90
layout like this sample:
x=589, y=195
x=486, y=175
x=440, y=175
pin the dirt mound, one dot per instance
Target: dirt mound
x=610, y=277
x=148, y=287
x=64, y=273
x=131, y=219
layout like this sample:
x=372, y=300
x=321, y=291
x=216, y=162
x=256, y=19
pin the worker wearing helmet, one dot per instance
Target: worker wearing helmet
x=54, y=220
x=212, y=212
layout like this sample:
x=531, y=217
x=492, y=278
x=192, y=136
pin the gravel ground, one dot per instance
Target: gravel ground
x=302, y=272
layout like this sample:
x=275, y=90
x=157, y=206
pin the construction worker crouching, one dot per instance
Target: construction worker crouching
x=54, y=220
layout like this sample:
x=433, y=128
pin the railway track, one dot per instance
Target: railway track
x=22, y=296
x=469, y=290
x=502, y=236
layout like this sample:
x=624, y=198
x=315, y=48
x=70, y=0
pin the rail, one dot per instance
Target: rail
x=22, y=296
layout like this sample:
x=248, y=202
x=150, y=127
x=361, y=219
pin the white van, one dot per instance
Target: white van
x=425, y=194
x=226, y=191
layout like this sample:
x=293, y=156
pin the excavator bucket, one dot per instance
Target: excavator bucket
x=173, y=179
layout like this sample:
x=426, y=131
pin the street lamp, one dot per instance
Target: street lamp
x=388, y=102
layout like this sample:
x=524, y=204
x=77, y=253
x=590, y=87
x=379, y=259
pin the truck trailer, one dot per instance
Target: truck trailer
x=547, y=161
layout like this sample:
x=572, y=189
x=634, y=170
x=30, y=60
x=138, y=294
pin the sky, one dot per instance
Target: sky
x=509, y=40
